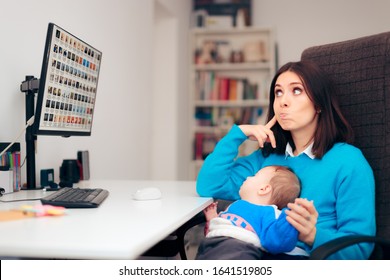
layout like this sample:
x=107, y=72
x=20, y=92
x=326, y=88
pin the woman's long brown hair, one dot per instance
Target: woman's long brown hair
x=332, y=127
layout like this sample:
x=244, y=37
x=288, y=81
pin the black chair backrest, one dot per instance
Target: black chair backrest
x=360, y=69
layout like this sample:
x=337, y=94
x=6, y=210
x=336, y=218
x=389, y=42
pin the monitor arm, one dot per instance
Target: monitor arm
x=30, y=86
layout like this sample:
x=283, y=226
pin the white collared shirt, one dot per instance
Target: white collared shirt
x=308, y=151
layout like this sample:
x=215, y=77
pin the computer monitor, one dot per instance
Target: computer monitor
x=66, y=92
x=67, y=85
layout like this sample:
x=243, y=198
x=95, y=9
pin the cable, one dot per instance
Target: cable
x=18, y=200
x=29, y=123
x=2, y=193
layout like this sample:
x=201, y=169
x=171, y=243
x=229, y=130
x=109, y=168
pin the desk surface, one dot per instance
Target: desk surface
x=121, y=228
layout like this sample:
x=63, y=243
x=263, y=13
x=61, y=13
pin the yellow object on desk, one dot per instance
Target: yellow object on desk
x=28, y=211
x=11, y=215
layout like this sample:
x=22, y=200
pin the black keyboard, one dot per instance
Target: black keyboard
x=76, y=198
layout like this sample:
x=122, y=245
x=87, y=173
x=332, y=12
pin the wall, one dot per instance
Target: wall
x=304, y=23
x=170, y=83
x=123, y=31
x=141, y=123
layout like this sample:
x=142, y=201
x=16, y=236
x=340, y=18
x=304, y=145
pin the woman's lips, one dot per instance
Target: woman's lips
x=283, y=116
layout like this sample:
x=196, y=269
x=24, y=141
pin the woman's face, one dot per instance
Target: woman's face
x=293, y=109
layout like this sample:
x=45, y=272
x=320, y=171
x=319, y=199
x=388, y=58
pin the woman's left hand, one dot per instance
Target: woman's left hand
x=303, y=217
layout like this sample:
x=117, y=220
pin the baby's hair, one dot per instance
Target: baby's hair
x=286, y=186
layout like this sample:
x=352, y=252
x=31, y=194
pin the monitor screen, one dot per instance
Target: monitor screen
x=67, y=86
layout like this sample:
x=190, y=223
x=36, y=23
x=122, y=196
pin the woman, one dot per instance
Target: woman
x=307, y=132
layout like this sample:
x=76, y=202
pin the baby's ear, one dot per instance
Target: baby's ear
x=264, y=189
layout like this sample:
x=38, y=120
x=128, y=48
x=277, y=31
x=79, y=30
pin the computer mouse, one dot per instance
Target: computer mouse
x=149, y=193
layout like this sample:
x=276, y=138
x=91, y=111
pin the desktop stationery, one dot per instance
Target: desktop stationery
x=10, y=168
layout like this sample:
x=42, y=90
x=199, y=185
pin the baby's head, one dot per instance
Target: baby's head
x=286, y=187
x=273, y=184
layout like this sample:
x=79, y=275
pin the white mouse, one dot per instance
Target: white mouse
x=149, y=193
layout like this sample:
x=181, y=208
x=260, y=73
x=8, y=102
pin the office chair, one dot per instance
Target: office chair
x=360, y=69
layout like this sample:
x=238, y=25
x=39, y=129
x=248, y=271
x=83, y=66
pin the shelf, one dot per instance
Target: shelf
x=230, y=73
x=232, y=66
x=230, y=31
x=226, y=103
x=211, y=129
x=198, y=163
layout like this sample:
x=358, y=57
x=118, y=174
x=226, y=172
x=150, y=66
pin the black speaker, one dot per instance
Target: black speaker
x=69, y=173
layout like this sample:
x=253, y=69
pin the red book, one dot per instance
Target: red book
x=224, y=89
x=199, y=146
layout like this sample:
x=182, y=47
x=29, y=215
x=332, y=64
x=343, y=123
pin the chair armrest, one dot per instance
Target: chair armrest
x=382, y=246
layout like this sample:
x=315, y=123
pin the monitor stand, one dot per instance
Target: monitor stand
x=30, y=86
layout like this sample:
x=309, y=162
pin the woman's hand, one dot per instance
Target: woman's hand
x=303, y=217
x=260, y=133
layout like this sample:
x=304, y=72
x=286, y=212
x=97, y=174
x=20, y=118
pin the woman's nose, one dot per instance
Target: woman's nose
x=284, y=101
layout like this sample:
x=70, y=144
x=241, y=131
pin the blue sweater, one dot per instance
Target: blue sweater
x=341, y=184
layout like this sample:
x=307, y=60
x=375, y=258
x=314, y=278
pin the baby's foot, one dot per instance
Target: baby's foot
x=210, y=211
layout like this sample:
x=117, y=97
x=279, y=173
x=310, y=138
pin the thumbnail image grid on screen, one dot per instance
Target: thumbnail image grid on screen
x=69, y=80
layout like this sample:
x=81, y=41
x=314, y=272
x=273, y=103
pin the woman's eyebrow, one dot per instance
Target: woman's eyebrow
x=296, y=83
x=292, y=83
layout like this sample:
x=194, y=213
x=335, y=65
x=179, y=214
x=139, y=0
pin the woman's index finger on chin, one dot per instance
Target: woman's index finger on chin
x=271, y=123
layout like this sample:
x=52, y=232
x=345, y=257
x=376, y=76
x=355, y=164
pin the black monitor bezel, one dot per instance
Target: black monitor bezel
x=42, y=85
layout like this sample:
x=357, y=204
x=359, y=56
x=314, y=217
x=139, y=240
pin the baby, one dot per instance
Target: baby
x=259, y=217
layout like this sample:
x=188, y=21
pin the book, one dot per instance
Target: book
x=199, y=146
x=224, y=89
x=240, y=89
x=233, y=89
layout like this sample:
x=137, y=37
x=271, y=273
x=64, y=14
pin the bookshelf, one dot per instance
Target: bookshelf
x=231, y=70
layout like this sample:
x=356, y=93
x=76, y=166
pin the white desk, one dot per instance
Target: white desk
x=121, y=228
